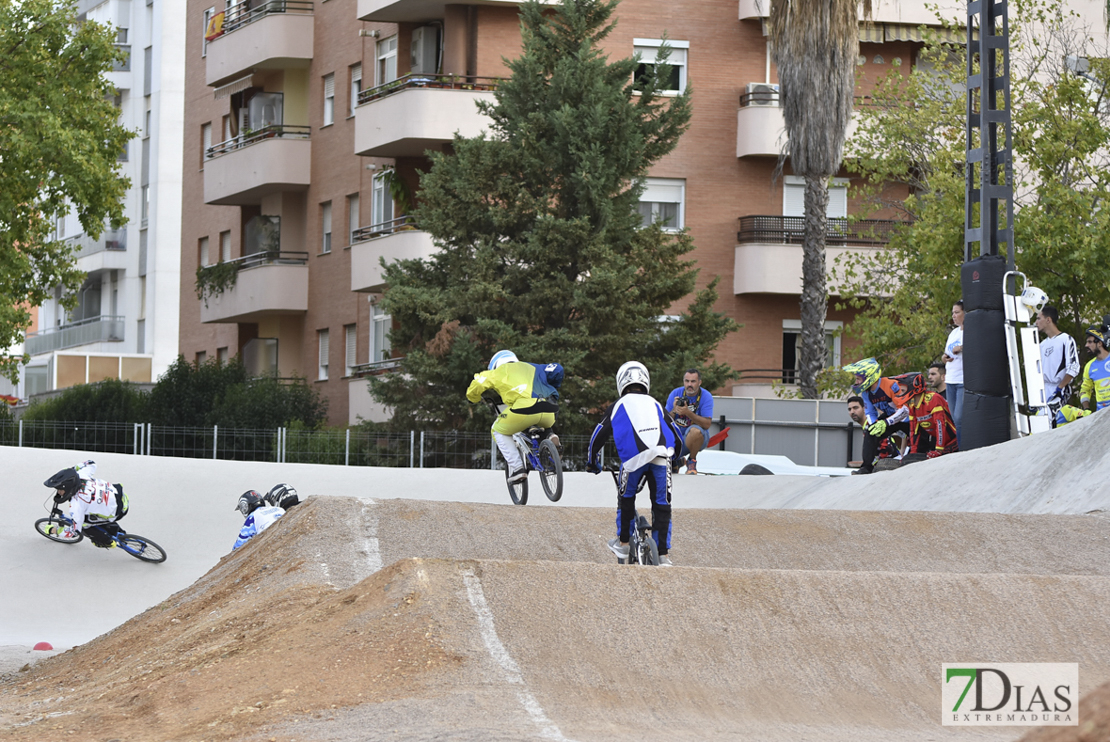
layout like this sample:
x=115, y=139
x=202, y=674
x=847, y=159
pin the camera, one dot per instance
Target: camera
x=680, y=402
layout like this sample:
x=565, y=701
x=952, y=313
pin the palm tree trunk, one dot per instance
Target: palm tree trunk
x=814, y=302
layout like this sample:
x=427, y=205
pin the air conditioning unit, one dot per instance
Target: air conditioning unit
x=762, y=94
x=425, y=50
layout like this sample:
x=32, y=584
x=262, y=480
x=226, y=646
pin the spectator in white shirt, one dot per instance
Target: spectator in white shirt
x=1059, y=360
x=954, y=367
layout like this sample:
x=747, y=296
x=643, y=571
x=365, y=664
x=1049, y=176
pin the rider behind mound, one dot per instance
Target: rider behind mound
x=526, y=393
x=94, y=505
x=259, y=516
x=646, y=441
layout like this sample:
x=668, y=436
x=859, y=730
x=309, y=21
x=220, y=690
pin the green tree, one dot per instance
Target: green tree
x=541, y=247
x=59, y=146
x=913, y=138
x=815, y=44
x=111, y=401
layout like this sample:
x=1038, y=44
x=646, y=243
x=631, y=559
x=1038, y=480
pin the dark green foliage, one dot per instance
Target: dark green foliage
x=267, y=402
x=105, y=401
x=541, y=247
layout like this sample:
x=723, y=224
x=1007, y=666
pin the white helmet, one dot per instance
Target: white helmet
x=633, y=372
x=1034, y=298
x=501, y=357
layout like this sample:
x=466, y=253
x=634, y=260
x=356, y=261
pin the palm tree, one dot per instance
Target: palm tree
x=815, y=44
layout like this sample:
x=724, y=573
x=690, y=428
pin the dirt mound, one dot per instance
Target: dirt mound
x=1094, y=721
x=483, y=628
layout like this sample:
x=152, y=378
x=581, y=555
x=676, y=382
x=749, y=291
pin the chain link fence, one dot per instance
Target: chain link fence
x=349, y=447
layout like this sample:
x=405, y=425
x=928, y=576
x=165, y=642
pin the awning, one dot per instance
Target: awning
x=900, y=32
x=870, y=33
x=234, y=87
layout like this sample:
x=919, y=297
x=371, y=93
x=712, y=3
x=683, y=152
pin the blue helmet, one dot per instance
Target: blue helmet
x=500, y=357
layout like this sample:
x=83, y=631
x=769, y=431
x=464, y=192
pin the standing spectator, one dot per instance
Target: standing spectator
x=1059, y=360
x=937, y=378
x=1096, y=374
x=954, y=367
x=692, y=409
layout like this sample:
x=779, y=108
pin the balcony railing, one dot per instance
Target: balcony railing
x=376, y=367
x=443, y=82
x=774, y=98
x=789, y=230
x=244, y=14
x=91, y=330
x=274, y=131
x=271, y=257
x=381, y=230
x=114, y=239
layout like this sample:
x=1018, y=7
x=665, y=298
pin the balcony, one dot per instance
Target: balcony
x=761, y=128
x=242, y=170
x=275, y=34
x=415, y=113
x=267, y=283
x=898, y=12
x=92, y=330
x=415, y=11
x=768, y=258
x=394, y=240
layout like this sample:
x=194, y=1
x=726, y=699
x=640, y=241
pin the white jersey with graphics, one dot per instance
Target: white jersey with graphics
x=1059, y=358
x=256, y=523
x=96, y=497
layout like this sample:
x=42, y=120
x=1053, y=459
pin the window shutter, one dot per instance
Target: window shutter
x=352, y=336
x=356, y=73
x=329, y=86
x=793, y=196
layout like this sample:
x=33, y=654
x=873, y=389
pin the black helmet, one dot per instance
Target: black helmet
x=283, y=496
x=249, y=501
x=66, y=482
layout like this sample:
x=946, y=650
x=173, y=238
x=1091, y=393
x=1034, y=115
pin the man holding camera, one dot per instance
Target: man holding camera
x=692, y=410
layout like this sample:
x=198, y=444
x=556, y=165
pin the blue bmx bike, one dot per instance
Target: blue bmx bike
x=59, y=524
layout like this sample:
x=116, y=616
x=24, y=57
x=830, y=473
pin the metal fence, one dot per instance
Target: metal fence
x=350, y=447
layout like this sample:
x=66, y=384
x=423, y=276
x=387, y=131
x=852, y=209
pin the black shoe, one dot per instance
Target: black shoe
x=676, y=467
x=518, y=476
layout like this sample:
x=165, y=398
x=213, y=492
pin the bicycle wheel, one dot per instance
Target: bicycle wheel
x=551, y=471
x=142, y=548
x=53, y=528
x=517, y=490
x=649, y=553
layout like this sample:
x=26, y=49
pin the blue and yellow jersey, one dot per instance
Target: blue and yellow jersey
x=1096, y=383
x=516, y=381
x=1069, y=414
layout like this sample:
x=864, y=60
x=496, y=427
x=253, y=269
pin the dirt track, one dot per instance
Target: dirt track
x=493, y=622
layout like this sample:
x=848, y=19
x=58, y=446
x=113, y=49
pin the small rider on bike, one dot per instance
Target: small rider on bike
x=646, y=443
x=258, y=513
x=94, y=505
x=526, y=394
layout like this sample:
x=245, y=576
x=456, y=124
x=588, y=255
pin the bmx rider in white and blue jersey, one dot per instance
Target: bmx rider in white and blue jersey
x=646, y=442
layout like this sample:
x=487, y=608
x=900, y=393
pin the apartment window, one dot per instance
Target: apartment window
x=663, y=200
x=202, y=252
x=145, y=206
x=352, y=217
x=648, y=49
x=792, y=347
x=325, y=219
x=204, y=40
x=329, y=100
x=322, y=339
x=356, y=85
x=222, y=355
x=226, y=128
x=381, y=203
x=225, y=246
x=387, y=60
x=351, y=333
x=205, y=142
x=794, y=197
x=380, y=324
x=201, y=358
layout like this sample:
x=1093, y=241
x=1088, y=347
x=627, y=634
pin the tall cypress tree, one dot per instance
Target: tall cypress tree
x=541, y=247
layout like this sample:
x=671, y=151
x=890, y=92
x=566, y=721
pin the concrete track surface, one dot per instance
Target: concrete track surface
x=802, y=609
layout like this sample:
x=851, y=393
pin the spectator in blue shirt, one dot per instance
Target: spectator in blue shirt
x=692, y=408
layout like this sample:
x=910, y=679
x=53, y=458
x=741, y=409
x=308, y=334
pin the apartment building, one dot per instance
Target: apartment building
x=126, y=321
x=300, y=114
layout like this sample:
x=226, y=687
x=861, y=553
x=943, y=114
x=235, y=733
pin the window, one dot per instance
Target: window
x=352, y=217
x=648, y=49
x=226, y=128
x=351, y=332
x=202, y=252
x=356, y=85
x=225, y=246
x=145, y=205
x=322, y=339
x=204, y=40
x=794, y=197
x=387, y=60
x=329, y=100
x=380, y=324
x=205, y=142
x=325, y=219
x=663, y=201
x=222, y=355
x=381, y=203
x=201, y=358
x=792, y=347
